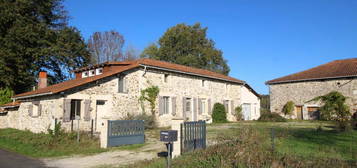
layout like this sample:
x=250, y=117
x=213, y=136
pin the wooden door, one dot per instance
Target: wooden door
x=299, y=112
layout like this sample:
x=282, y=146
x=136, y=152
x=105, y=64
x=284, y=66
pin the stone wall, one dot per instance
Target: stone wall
x=301, y=92
x=180, y=86
x=119, y=105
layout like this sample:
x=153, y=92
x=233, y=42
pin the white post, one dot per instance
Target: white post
x=176, y=125
x=104, y=134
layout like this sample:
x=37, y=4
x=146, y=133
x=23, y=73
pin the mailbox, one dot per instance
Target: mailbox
x=168, y=136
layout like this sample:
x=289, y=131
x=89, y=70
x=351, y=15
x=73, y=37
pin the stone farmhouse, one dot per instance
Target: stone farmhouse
x=339, y=75
x=111, y=91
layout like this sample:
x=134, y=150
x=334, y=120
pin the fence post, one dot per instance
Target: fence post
x=272, y=140
x=176, y=125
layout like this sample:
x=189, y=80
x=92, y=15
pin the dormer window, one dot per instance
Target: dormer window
x=92, y=72
x=99, y=71
x=85, y=74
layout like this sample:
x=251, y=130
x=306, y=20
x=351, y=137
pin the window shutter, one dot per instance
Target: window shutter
x=199, y=106
x=66, y=110
x=39, y=109
x=184, y=107
x=232, y=107
x=86, y=116
x=125, y=87
x=161, y=105
x=209, y=106
x=173, y=100
x=120, y=84
x=195, y=109
x=30, y=108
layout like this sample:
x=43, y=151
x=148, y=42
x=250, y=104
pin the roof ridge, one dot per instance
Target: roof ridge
x=333, y=69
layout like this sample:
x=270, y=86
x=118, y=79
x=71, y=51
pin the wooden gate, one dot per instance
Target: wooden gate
x=193, y=136
x=123, y=132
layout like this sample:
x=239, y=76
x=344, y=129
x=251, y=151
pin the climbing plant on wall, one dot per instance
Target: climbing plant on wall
x=150, y=95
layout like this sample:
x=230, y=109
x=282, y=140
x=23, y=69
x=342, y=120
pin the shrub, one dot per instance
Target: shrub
x=219, y=114
x=5, y=95
x=274, y=117
x=288, y=108
x=149, y=121
x=238, y=113
x=335, y=109
x=57, y=130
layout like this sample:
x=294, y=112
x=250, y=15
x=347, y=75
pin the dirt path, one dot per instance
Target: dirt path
x=111, y=158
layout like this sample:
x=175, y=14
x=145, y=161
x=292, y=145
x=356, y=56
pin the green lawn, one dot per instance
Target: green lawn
x=43, y=145
x=249, y=144
x=300, y=138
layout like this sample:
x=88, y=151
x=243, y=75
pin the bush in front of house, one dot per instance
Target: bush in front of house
x=288, y=108
x=238, y=113
x=273, y=117
x=219, y=114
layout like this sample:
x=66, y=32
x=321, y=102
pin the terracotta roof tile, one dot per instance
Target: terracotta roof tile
x=11, y=104
x=124, y=67
x=335, y=69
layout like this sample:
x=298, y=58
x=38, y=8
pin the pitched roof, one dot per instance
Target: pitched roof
x=11, y=104
x=60, y=87
x=336, y=69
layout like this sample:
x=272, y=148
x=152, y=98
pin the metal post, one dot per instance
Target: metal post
x=168, y=155
x=91, y=128
x=272, y=140
x=78, y=131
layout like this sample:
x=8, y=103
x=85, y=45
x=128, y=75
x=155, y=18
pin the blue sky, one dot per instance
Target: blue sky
x=261, y=39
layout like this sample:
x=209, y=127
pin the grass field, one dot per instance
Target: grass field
x=43, y=145
x=249, y=144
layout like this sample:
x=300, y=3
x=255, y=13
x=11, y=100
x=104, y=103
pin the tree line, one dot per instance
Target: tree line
x=35, y=36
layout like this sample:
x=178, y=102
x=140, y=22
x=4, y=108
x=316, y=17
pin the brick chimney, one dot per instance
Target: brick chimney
x=42, y=79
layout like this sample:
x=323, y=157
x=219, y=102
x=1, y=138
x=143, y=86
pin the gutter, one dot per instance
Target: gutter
x=188, y=73
x=311, y=79
x=34, y=95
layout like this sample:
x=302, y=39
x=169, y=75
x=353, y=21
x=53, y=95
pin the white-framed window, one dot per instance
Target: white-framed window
x=188, y=104
x=166, y=105
x=92, y=72
x=122, y=88
x=166, y=78
x=75, y=108
x=85, y=74
x=99, y=71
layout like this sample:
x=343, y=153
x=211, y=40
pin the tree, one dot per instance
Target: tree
x=334, y=108
x=34, y=36
x=219, y=114
x=288, y=108
x=264, y=104
x=131, y=53
x=188, y=45
x=5, y=95
x=106, y=46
